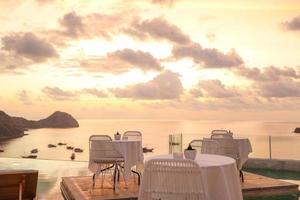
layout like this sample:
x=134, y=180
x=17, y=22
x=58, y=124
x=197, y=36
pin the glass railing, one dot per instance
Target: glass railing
x=263, y=146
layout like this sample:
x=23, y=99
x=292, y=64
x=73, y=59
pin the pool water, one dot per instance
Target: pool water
x=50, y=173
x=289, y=176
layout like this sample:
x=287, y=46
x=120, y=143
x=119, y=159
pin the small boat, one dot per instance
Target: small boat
x=72, y=156
x=297, y=130
x=61, y=144
x=51, y=145
x=78, y=150
x=1, y=150
x=70, y=147
x=34, y=151
x=30, y=156
x=147, y=150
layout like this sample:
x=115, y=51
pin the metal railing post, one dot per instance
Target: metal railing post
x=181, y=142
x=270, y=147
x=172, y=141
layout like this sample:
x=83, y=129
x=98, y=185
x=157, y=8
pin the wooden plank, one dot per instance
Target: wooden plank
x=257, y=185
x=80, y=187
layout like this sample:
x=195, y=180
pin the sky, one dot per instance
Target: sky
x=151, y=59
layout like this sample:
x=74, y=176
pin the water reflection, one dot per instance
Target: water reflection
x=50, y=173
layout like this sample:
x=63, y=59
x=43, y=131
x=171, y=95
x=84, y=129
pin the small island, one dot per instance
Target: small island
x=13, y=127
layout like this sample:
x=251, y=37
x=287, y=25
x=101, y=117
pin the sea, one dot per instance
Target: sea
x=155, y=135
x=268, y=139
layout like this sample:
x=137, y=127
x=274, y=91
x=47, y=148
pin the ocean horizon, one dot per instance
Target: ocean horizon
x=155, y=135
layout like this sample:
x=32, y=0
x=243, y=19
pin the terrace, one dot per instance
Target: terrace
x=271, y=174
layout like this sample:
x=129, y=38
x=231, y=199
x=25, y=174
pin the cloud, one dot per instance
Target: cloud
x=75, y=26
x=273, y=82
x=12, y=64
x=102, y=65
x=164, y=2
x=157, y=28
x=143, y=60
x=213, y=88
x=166, y=85
x=45, y=1
x=293, y=24
x=58, y=94
x=23, y=96
x=270, y=73
x=95, y=92
x=209, y=58
x=278, y=89
x=28, y=46
x=121, y=61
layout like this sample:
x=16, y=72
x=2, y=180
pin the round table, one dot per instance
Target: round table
x=132, y=152
x=244, y=149
x=219, y=176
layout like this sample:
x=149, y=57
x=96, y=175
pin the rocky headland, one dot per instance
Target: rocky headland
x=13, y=127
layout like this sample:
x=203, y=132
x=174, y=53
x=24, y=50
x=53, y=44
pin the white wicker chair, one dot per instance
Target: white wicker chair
x=103, y=156
x=197, y=144
x=172, y=179
x=221, y=131
x=228, y=148
x=221, y=136
x=132, y=135
x=206, y=146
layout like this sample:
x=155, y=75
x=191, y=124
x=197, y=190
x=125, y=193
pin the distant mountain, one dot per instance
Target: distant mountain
x=11, y=127
x=8, y=129
x=56, y=120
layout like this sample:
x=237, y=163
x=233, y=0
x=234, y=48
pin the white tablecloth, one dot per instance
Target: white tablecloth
x=132, y=152
x=244, y=149
x=219, y=176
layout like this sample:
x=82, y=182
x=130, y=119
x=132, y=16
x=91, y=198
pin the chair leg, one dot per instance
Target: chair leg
x=135, y=172
x=242, y=176
x=102, y=179
x=114, y=177
x=102, y=170
x=139, y=176
x=118, y=173
x=94, y=176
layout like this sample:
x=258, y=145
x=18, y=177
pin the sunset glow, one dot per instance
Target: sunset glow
x=151, y=59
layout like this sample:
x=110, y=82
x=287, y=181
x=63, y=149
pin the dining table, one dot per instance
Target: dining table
x=219, y=176
x=244, y=148
x=132, y=152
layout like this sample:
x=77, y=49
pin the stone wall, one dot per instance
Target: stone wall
x=290, y=165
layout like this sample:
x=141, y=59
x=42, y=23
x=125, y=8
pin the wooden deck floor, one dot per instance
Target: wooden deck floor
x=79, y=187
x=257, y=185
